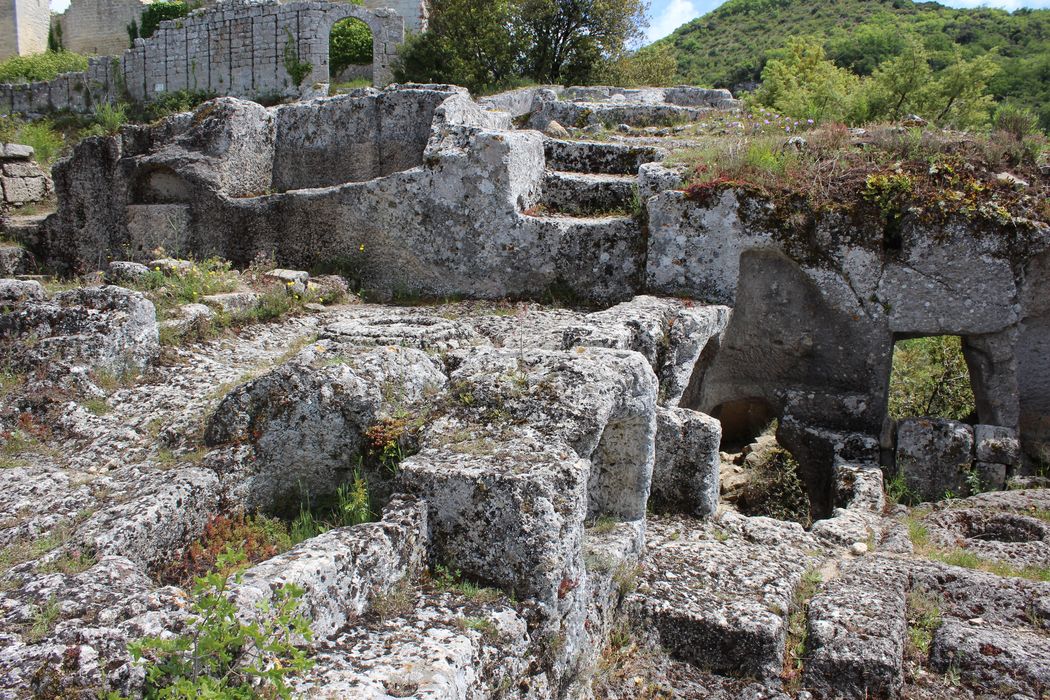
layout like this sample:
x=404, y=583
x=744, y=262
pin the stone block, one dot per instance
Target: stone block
x=935, y=455
x=507, y=508
x=997, y=444
x=685, y=473
x=857, y=632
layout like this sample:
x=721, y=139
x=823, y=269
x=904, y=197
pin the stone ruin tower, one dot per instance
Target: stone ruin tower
x=23, y=27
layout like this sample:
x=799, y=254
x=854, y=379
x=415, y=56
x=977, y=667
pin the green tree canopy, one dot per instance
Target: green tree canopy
x=350, y=44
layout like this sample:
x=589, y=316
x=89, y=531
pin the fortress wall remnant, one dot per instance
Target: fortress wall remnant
x=23, y=27
x=237, y=49
x=99, y=27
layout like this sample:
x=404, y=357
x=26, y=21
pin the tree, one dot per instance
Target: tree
x=469, y=43
x=652, y=65
x=567, y=40
x=54, y=37
x=801, y=82
x=898, y=84
x=959, y=96
x=350, y=44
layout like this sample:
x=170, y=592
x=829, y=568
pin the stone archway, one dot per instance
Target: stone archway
x=388, y=32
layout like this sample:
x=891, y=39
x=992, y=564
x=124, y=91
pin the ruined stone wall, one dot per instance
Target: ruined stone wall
x=77, y=92
x=242, y=49
x=415, y=12
x=99, y=27
x=23, y=27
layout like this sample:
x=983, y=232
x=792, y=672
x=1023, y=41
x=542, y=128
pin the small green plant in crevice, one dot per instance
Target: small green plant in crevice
x=924, y=618
x=484, y=625
x=603, y=525
x=396, y=602
x=297, y=68
x=898, y=490
x=44, y=620
x=221, y=655
x=451, y=580
x=626, y=577
x=798, y=628
x=352, y=507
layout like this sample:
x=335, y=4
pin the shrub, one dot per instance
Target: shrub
x=222, y=656
x=41, y=66
x=42, y=135
x=930, y=378
x=107, y=120
x=157, y=12
x=775, y=490
x=350, y=45
x=257, y=537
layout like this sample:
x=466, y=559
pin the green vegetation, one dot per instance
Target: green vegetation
x=775, y=490
x=45, y=140
x=930, y=174
x=798, y=629
x=350, y=44
x=222, y=656
x=733, y=45
x=256, y=538
x=924, y=617
x=446, y=579
x=505, y=43
x=352, y=507
x=41, y=66
x=154, y=14
x=930, y=378
x=297, y=68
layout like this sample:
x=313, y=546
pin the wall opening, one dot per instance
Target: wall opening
x=743, y=420
x=930, y=378
x=160, y=185
x=350, y=55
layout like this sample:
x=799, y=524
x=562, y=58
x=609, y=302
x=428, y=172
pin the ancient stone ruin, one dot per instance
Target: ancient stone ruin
x=549, y=484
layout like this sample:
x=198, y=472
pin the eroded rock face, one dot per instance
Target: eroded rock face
x=305, y=420
x=934, y=455
x=106, y=328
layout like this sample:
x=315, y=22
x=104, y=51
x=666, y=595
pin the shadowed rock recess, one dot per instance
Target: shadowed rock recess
x=564, y=402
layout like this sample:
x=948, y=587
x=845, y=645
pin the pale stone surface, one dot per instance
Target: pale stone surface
x=934, y=454
x=685, y=473
x=857, y=631
x=107, y=328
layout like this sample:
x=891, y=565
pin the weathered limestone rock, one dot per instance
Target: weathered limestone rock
x=21, y=179
x=344, y=570
x=686, y=469
x=232, y=302
x=122, y=271
x=999, y=659
x=670, y=334
x=934, y=454
x=506, y=506
x=857, y=632
x=14, y=292
x=165, y=513
x=304, y=420
x=722, y=603
x=443, y=647
x=14, y=259
x=997, y=444
x=107, y=328
x=405, y=330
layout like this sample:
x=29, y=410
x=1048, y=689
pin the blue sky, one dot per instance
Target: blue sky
x=668, y=15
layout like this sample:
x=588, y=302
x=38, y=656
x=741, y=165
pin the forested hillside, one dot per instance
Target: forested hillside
x=729, y=46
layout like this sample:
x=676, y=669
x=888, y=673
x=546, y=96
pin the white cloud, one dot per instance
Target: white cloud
x=674, y=15
x=1001, y=4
